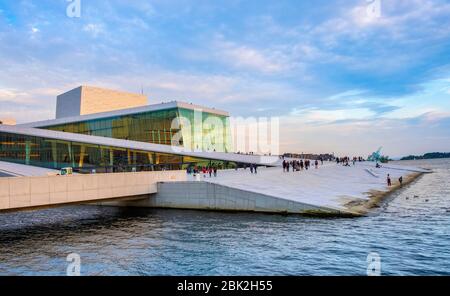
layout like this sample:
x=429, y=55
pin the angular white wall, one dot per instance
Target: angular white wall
x=29, y=192
x=209, y=196
x=90, y=100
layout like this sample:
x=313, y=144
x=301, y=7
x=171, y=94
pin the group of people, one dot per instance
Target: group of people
x=246, y=153
x=389, y=181
x=253, y=169
x=209, y=170
x=345, y=161
x=299, y=165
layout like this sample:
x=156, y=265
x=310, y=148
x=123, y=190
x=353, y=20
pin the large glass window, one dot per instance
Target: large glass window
x=151, y=127
x=201, y=131
x=57, y=154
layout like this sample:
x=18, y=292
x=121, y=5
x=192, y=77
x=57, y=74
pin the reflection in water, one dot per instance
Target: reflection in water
x=411, y=234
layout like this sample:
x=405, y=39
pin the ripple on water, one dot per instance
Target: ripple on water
x=410, y=234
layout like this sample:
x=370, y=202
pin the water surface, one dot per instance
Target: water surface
x=411, y=234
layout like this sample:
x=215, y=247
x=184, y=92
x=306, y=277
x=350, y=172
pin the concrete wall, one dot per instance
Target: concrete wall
x=208, y=196
x=69, y=103
x=89, y=100
x=29, y=192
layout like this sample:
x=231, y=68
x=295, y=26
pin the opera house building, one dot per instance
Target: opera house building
x=102, y=130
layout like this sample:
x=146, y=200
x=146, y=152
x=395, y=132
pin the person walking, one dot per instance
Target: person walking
x=317, y=164
x=389, y=182
x=256, y=169
x=204, y=172
x=251, y=168
x=210, y=171
x=400, y=180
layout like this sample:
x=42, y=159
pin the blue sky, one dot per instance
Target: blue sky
x=340, y=78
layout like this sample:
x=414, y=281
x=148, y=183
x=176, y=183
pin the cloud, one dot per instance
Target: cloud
x=347, y=106
x=399, y=137
x=94, y=29
x=433, y=117
x=24, y=105
x=13, y=95
x=25, y=97
x=241, y=56
x=142, y=7
x=328, y=69
x=352, y=41
x=239, y=94
x=396, y=18
x=329, y=116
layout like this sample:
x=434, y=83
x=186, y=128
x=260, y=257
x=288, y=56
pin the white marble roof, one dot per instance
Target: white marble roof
x=329, y=186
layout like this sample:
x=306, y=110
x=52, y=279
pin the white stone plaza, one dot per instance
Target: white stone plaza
x=331, y=186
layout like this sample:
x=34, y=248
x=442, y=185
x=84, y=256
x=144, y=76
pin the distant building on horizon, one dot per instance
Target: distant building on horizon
x=326, y=156
x=8, y=121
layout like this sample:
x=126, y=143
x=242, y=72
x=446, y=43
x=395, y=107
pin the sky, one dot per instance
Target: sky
x=342, y=75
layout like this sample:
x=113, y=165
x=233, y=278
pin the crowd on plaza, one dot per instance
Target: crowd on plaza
x=300, y=165
x=204, y=170
x=345, y=161
x=305, y=164
x=212, y=170
x=288, y=166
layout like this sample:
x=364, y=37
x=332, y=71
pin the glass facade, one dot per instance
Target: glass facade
x=83, y=157
x=187, y=128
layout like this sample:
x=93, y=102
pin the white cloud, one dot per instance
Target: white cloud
x=435, y=115
x=9, y=94
x=396, y=18
x=317, y=116
x=226, y=91
x=32, y=79
x=26, y=96
x=94, y=29
x=432, y=96
x=347, y=94
x=246, y=57
x=361, y=137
